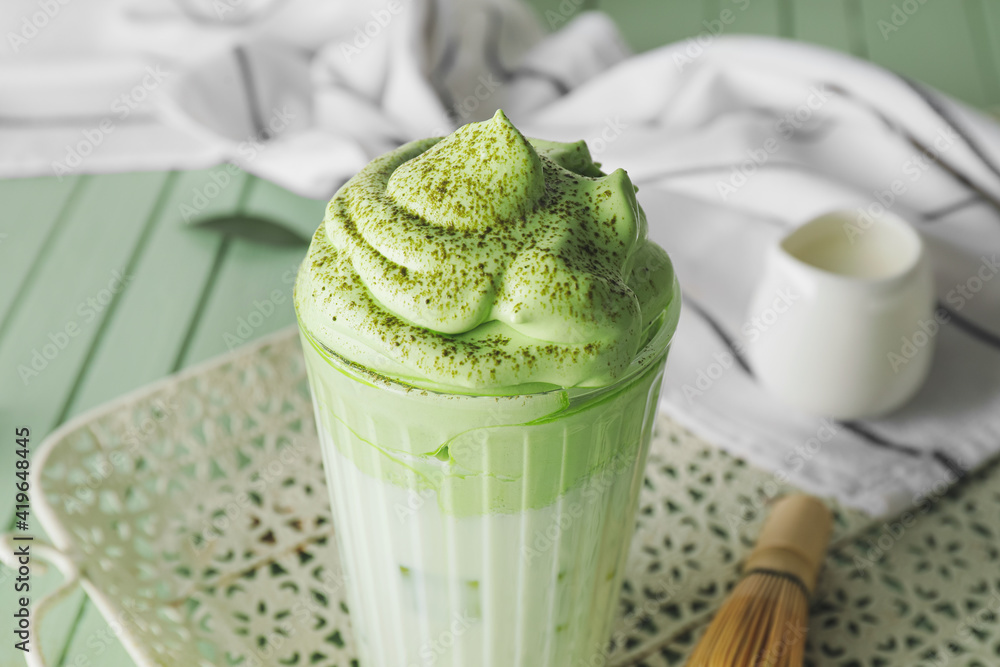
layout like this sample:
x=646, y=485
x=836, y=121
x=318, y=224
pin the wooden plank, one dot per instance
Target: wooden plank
x=141, y=342
x=252, y=294
x=150, y=325
x=32, y=209
x=55, y=323
x=95, y=642
x=156, y=273
x=756, y=17
x=54, y=630
x=64, y=306
x=932, y=43
x=554, y=14
x=856, y=24
x=647, y=24
x=786, y=18
x=825, y=22
x=984, y=23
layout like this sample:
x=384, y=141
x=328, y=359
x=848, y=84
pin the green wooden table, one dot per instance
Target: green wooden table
x=105, y=288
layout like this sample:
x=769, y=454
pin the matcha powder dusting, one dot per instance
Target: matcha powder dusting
x=485, y=261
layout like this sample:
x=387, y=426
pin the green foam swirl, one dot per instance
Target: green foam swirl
x=485, y=262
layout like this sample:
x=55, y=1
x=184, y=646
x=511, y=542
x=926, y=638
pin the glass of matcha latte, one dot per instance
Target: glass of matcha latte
x=485, y=327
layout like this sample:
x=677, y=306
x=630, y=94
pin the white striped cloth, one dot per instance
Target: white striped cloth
x=732, y=143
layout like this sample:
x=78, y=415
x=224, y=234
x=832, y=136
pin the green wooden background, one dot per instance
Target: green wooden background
x=187, y=288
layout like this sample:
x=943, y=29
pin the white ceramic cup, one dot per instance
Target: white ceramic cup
x=844, y=316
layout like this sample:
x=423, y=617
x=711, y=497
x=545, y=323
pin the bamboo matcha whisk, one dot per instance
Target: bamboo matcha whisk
x=764, y=621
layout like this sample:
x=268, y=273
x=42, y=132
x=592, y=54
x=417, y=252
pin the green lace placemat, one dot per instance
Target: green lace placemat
x=195, y=515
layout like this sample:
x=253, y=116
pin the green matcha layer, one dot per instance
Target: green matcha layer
x=486, y=263
x=478, y=455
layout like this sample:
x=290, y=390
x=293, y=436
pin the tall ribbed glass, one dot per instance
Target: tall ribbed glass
x=486, y=531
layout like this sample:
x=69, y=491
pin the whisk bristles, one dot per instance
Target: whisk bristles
x=762, y=624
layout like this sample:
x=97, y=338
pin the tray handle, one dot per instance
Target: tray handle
x=71, y=573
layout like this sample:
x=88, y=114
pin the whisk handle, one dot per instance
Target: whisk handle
x=794, y=539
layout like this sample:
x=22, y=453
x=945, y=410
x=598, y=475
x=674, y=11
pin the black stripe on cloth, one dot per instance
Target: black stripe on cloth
x=250, y=90
x=953, y=466
x=491, y=53
x=943, y=459
x=959, y=176
x=945, y=211
x=561, y=86
x=896, y=128
x=950, y=119
x=971, y=328
x=720, y=332
x=491, y=45
x=448, y=59
x=873, y=438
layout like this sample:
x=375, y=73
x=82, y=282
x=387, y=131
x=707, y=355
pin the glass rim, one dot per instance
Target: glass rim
x=646, y=357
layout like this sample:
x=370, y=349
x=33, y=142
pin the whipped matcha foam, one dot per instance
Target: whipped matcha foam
x=486, y=262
